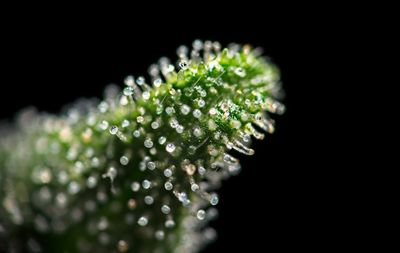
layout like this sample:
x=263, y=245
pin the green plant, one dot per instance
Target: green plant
x=136, y=172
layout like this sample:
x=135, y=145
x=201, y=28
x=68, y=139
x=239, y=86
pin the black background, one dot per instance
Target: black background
x=277, y=201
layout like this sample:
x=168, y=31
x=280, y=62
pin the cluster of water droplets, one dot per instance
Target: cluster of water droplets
x=152, y=153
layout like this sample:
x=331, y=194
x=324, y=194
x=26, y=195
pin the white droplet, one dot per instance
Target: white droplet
x=179, y=129
x=214, y=200
x=213, y=111
x=148, y=143
x=170, y=147
x=102, y=224
x=197, y=132
x=140, y=80
x=124, y=160
x=125, y=123
x=148, y=200
x=143, y=221
x=140, y=119
x=122, y=246
x=169, y=224
x=201, y=214
x=151, y=165
x=136, y=133
x=135, y=186
x=155, y=125
x=113, y=130
x=170, y=110
x=146, y=184
x=202, y=170
x=73, y=187
x=167, y=172
x=168, y=186
x=185, y=109
x=91, y=182
x=197, y=113
x=157, y=82
x=128, y=91
x=165, y=209
x=146, y=95
x=103, y=125
x=183, y=64
x=162, y=140
x=129, y=81
x=160, y=235
x=194, y=187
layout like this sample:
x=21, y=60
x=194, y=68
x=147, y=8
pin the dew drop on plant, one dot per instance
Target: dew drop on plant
x=128, y=91
x=159, y=235
x=170, y=147
x=201, y=214
x=185, y=109
x=122, y=246
x=148, y=200
x=143, y=221
x=165, y=209
x=103, y=125
x=168, y=186
x=146, y=184
x=113, y=130
x=148, y=143
x=167, y=172
x=162, y=140
x=135, y=186
x=124, y=160
x=214, y=200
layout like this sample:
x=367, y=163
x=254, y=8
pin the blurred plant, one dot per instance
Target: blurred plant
x=137, y=171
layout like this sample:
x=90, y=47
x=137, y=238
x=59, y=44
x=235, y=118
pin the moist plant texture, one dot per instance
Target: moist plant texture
x=137, y=171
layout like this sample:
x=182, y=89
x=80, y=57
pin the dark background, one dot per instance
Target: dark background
x=279, y=199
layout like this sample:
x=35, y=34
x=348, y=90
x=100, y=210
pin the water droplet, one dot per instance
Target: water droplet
x=167, y=172
x=168, y=186
x=160, y=235
x=132, y=204
x=103, y=107
x=183, y=65
x=124, y=160
x=73, y=187
x=170, y=110
x=125, y=123
x=143, y=221
x=197, y=132
x=197, y=45
x=148, y=200
x=113, y=130
x=128, y=91
x=165, y=209
x=91, y=182
x=170, y=147
x=135, y=186
x=148, y=143
x=129, y=81
x=140, y=119
x=197, y=113
x=201, y=214
x=103, y=125
x=185, y=109
x=214, y=199
x=155, y=125
x=103, y=223
x=202, y=170
x=213, y=111
x=146, y=95
x=194, y=187
x=240, y=72
x=179, y=129
x=169, y=224
x=146, y=184
x=151, y=165
x=136, y=133
x=140, y=80
x=157, y=82
x=162, y=140
x=122, y=246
